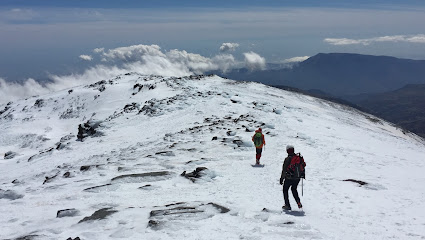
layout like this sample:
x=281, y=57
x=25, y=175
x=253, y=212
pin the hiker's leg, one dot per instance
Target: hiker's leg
x=294, y=189
x=259, y=150
x=286, y=186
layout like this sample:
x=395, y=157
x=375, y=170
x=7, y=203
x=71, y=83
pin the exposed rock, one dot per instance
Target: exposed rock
x=150, y=176
x=84, y=168
x=214, y=138
x=197, y=173
x=16, y=181
x=9, y=194
x=88, y=129
x=67, y=175
x=5, y=108
x=219, y=207
x=356, y=181
x=100, y=85
x=96, y=187
x=9, y=155
x=138, y=87
x=165, y=153
x=182, y=211
x=49, y=179
x=67, y=213
x=60, y=146
x=154, y=224
x=99, y=215
x=28, y=237
x=131, y=107
x=39, y=103
x=42, y=153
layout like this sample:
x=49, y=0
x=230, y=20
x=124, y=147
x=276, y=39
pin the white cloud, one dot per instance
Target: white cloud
x=295, y=59
x=86, y=57
x=144, y=59
x=10, y=91
x=133, y=53
x=225, y=47
x=419, y=38
x=98, y=50
x=254, y=61
x=225, y=62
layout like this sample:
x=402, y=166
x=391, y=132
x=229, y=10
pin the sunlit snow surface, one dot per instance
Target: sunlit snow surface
x=155, y=132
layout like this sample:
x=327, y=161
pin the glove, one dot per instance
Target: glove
x=281, y=181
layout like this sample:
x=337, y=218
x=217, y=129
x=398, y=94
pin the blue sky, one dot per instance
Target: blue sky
x=197, y=3
x=49, y=36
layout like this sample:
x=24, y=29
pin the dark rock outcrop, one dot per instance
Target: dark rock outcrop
x=99, y=215
x=88, y=129
x=197, y=173
x=151, y=176
x=67, y=213
x=356, y=181
x=9, y=155
x=97, y=187
x=182, y=211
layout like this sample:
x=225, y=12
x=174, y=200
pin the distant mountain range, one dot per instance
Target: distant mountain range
x=379, y=84
x=405, y=107
x=342, y=74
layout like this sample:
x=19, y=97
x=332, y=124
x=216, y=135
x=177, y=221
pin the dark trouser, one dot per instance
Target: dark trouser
x=293, y=183
x=258, y=156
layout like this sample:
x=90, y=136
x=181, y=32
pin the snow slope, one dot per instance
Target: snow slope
x=124, y=181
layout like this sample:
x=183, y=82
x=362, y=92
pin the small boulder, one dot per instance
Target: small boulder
x=9, y=155
x=67, y=213
x=197, y=173
x=99, y=215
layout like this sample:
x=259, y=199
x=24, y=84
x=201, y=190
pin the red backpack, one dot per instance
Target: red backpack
x=296, y=168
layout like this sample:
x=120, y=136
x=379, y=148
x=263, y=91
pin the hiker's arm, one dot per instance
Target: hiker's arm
x=283, y=175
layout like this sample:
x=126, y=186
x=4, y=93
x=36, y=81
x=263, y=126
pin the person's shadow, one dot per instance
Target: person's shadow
x=294, y=213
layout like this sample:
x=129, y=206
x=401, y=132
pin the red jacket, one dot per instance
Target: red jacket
x=262, y=136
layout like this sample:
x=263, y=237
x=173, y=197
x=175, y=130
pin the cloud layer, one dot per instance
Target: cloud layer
x=226, y=47
x=254, y=61
x=295, y=59
x=419, y=38
x=86, y=57
x=144, y=59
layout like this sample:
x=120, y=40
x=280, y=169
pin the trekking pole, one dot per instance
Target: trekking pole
x=302, y=189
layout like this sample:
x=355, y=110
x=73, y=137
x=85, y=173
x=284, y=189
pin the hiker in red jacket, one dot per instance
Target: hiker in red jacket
x=291, y=180
x=259, y=142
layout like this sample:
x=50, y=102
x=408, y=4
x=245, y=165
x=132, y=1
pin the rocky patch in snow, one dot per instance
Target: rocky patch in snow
x=99, y=215
x=67, y=213
x=100, y=188
x=361, y=183
x=7, y=107
x=9, y=155
x=101, y=85
x=178, y=213
x=143, y=177
x=195, y=174
x=88, y=129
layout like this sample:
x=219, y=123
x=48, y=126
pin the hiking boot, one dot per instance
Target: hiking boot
x=300, y=205
x=257, y=162
x=286, y=207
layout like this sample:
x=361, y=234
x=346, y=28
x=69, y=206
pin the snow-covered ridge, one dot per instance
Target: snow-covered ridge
x=140, y=133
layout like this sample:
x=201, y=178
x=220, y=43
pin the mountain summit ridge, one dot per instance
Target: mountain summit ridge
x=122, y=177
